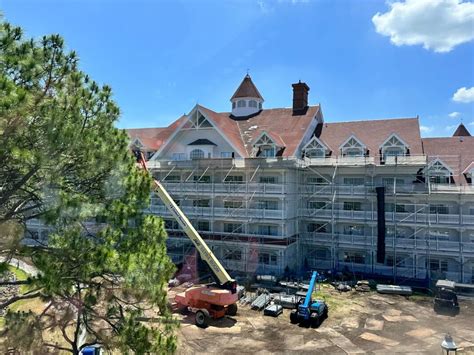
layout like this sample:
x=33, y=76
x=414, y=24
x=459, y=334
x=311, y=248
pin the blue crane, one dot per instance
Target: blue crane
x=309, y=311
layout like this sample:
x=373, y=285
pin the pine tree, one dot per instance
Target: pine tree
x=103, y=272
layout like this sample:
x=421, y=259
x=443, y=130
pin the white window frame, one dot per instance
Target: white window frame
x=353, y=145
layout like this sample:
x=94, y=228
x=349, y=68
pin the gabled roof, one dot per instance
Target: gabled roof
x=456, y=152
x=461, y=131
x=247, y=89
x=153, y=138
x=373, y=133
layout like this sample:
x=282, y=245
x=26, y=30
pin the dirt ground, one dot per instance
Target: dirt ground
x=357, y=323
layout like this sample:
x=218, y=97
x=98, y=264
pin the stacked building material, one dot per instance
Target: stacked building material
x=261, y=301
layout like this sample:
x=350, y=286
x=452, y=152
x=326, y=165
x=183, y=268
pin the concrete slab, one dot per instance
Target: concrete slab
x=373, y=324
x=399, y=318
x=378, y=339
x=314, y=345
x=421, y=332
x=351, y=322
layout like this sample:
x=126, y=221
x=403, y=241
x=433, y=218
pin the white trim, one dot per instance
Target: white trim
x=309, y=130
x=314, y=138
x=438, y=160
x=139, y=141
x=356, y=139
x=180, y=127
x=264, y=133
x=396, y=136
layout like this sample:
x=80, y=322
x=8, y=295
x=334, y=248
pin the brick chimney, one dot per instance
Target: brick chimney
x=300, y=96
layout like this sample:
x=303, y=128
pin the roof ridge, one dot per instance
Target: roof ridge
x=377, y=119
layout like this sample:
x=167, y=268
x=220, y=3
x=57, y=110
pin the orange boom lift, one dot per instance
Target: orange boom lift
x=206, y=301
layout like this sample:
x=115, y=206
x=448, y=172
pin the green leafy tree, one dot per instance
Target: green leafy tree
x=104, y=271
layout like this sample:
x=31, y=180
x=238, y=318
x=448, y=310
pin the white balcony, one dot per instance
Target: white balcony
x=224, y=188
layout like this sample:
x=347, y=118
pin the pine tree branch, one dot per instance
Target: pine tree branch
x=19, y=298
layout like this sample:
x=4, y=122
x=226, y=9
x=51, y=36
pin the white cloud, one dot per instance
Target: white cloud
x=454, y=114
x=439, y=25
x=426, y=129
x=464, y=95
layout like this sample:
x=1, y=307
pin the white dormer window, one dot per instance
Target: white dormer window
x=266, y=146
x=393, y=146
x=438, y=172
x=352, y=147
x=196, y=154
x=241, y=103
x=314, y=149
x=253, y=103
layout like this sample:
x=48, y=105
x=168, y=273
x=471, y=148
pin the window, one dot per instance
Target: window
x=352, y=206
x=389, y=261
x=226, y=154
x=391, y=207
x=34, y=235
x=201, y=203
x=268, y=179
x=149, y=154
x=206, y=179
x=438, y=265
x=253, y=103
x=393, y=146
x=356, y=258
x=203, y=226
x=316, y=227
x=196, y=154
x=356, y=181
x=265, y=229
x=233, y=228
x=172, y=178
x=268, y=205
x=171, y=224
x=233, y=254
x=314, y=149
x=439, y=209
x=352, y=148
x=353, y=230
x=267, y=258
x=260, y=105
x=316, y=205
x=438, y=172
x=234, y=178
x=241, y=103
x=267, y=152
x=178, y=156
x=233, y=105
x=233, y=204
x=316, y=180
x=389, y=181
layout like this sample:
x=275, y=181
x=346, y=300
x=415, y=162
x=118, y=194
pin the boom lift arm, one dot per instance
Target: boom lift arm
x=223, y=278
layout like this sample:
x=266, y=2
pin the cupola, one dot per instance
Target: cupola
x=246, y=100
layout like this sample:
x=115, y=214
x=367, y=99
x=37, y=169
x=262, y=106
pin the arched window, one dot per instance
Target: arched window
x=196, y=154
x=392, y=147
x=253, y=103
x=241, y=103
x=352, y=148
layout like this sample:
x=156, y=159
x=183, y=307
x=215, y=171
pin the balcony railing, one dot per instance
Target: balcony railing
x=400, y=217
x=234, y=188
x=248, y=213
x=400, y=243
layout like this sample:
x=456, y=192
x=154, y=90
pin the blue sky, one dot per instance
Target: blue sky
x=163, y=57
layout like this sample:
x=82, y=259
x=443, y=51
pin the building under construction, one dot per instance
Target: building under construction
x=281, y=190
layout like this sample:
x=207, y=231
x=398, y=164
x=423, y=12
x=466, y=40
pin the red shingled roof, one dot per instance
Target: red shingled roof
x=247, y=89
x=456, y=152
x=153, y=138
x=373, y=133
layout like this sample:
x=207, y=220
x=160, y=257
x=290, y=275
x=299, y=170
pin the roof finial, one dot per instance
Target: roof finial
x=248, y=71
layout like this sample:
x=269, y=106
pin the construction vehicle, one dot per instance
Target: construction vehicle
x=309, y=311
x=445, y=297
x=213, y=300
